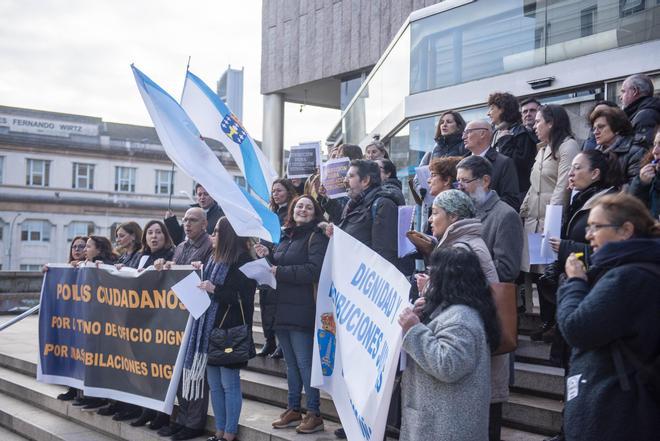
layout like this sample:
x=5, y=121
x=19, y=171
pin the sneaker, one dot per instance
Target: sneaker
x=310, y=424
x=290, y=418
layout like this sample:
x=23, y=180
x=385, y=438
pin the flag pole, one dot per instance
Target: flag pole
x=169, y=202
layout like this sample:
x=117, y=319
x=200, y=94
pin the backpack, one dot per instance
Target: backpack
x=647, y=373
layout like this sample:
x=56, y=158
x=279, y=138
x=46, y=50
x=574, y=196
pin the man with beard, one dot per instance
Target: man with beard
x=503, y=178
x=502, y=227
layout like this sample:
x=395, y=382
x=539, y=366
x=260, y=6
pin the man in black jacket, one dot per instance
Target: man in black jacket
x=206, y=203
x=642, y=108
x=477, y=137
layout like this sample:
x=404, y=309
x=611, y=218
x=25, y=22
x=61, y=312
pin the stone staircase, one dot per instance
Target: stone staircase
x=29, y=409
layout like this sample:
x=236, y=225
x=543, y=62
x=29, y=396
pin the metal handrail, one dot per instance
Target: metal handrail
x=20, y=317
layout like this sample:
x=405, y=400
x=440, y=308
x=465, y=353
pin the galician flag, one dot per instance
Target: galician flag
x=185, y=147
x=215, y=121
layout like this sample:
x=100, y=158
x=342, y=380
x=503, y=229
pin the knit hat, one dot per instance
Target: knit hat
x=455, y=202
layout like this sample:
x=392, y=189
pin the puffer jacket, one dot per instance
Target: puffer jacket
x=618, y=305
x=299, y=258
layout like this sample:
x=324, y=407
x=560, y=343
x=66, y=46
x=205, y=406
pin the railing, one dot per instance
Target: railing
x=20, y=317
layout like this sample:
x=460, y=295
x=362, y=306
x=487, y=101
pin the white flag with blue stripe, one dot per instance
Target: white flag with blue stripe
x=215, y=120
x=185, y=147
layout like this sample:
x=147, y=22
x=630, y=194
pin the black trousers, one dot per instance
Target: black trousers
x=494, y=421
x=267, y=304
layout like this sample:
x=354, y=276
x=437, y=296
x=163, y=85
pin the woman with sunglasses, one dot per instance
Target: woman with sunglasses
x=608, y=314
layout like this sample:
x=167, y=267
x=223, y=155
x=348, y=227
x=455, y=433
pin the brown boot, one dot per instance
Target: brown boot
x=290, y=418
x=310, y=424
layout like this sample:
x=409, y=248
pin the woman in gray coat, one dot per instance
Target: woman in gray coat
x=446, y=386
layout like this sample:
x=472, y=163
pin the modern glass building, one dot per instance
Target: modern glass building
x=453, y=54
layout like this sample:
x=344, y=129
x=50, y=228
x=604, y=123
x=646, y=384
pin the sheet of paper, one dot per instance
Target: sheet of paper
x=551, y=228
x=423, y=174
x=259, y=270
x=404, y=245
x=196, y=300
x=534, y=244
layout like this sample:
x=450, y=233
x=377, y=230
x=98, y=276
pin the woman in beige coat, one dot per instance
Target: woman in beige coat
x=549, y=186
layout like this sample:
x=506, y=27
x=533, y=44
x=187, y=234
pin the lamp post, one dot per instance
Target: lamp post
x=11, y=238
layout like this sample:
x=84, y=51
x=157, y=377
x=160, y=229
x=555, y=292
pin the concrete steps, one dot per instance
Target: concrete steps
x=531, y=409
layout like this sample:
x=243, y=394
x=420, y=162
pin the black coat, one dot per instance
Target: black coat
x=378, y=232
x=575, y=221
x=629, y=153
x=647, y=193
x=450, y=145
x=520, y=146
x=299, y=258
x=176, y=230
x=619, y=303
x=505, y=178
x=236, y=285
x=394, y=187
x=644, y=114
x=165, y=253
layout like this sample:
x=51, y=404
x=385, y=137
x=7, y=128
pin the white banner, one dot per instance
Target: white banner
x=360, y=295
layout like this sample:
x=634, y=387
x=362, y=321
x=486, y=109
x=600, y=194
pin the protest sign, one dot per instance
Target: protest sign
x=304, y=160
x=333, y=173
x=405, y=224
x=118, y=335
x=360, y=296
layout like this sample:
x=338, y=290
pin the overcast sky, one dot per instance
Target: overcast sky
x=74, y=56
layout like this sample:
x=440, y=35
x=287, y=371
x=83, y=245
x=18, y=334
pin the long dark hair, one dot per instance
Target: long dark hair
x=457, y=279
x=106, y=254
x=561, y=125
x=230, y=246
x=460, y=123
x=318, y=212
x=133, y=228
x=146, y=249
x=290, y=188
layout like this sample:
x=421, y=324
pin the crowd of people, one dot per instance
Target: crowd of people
x=491, y=181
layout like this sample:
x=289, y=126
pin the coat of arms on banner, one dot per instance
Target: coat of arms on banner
x=233, y=129
x=327, y=342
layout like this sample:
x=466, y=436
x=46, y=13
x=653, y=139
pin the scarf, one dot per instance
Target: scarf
x=194, y=365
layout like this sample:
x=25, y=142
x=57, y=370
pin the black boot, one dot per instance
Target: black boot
x=146, y=416
x=161, y=420
x=268, y=348
x=68, y=395
x=277, y=354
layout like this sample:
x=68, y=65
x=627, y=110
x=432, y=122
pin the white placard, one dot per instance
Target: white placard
x=259, y=270
x=551, y=228
x=195, y=299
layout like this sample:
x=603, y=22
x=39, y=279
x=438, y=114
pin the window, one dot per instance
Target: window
x=164, y=181
x=587, y=20
x=83, y=176
x=35, y=231
x=125, y=179
x=30, y=267
x=38, y=173
x=1, y=231
x=78, y=228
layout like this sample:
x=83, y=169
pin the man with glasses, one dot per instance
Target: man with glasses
x=191, y=417
x=504, y=179
x=502, y=231
x=212, y=211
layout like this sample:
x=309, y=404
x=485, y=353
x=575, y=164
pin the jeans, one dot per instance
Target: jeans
x=297, y=347
x=226, y=399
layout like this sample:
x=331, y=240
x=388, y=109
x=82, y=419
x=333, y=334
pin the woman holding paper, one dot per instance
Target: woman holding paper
x=446, y=388
x=232, y=295
x=549, y=186
x=608, y=313
x=297, y=263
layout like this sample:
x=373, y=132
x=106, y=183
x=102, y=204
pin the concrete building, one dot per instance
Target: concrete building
x=230, y=90
x=65, y=175
x=425, y=57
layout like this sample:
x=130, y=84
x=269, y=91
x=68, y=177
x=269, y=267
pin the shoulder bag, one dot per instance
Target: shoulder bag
x=233, y=345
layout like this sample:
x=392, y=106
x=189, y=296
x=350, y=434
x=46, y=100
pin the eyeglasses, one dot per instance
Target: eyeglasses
x=467, y=131
x=463, y=182
x=595, y=227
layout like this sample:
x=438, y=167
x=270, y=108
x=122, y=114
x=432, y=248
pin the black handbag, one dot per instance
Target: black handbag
x=233, y=345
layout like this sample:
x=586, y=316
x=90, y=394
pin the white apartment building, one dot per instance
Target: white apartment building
x=65, y=175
